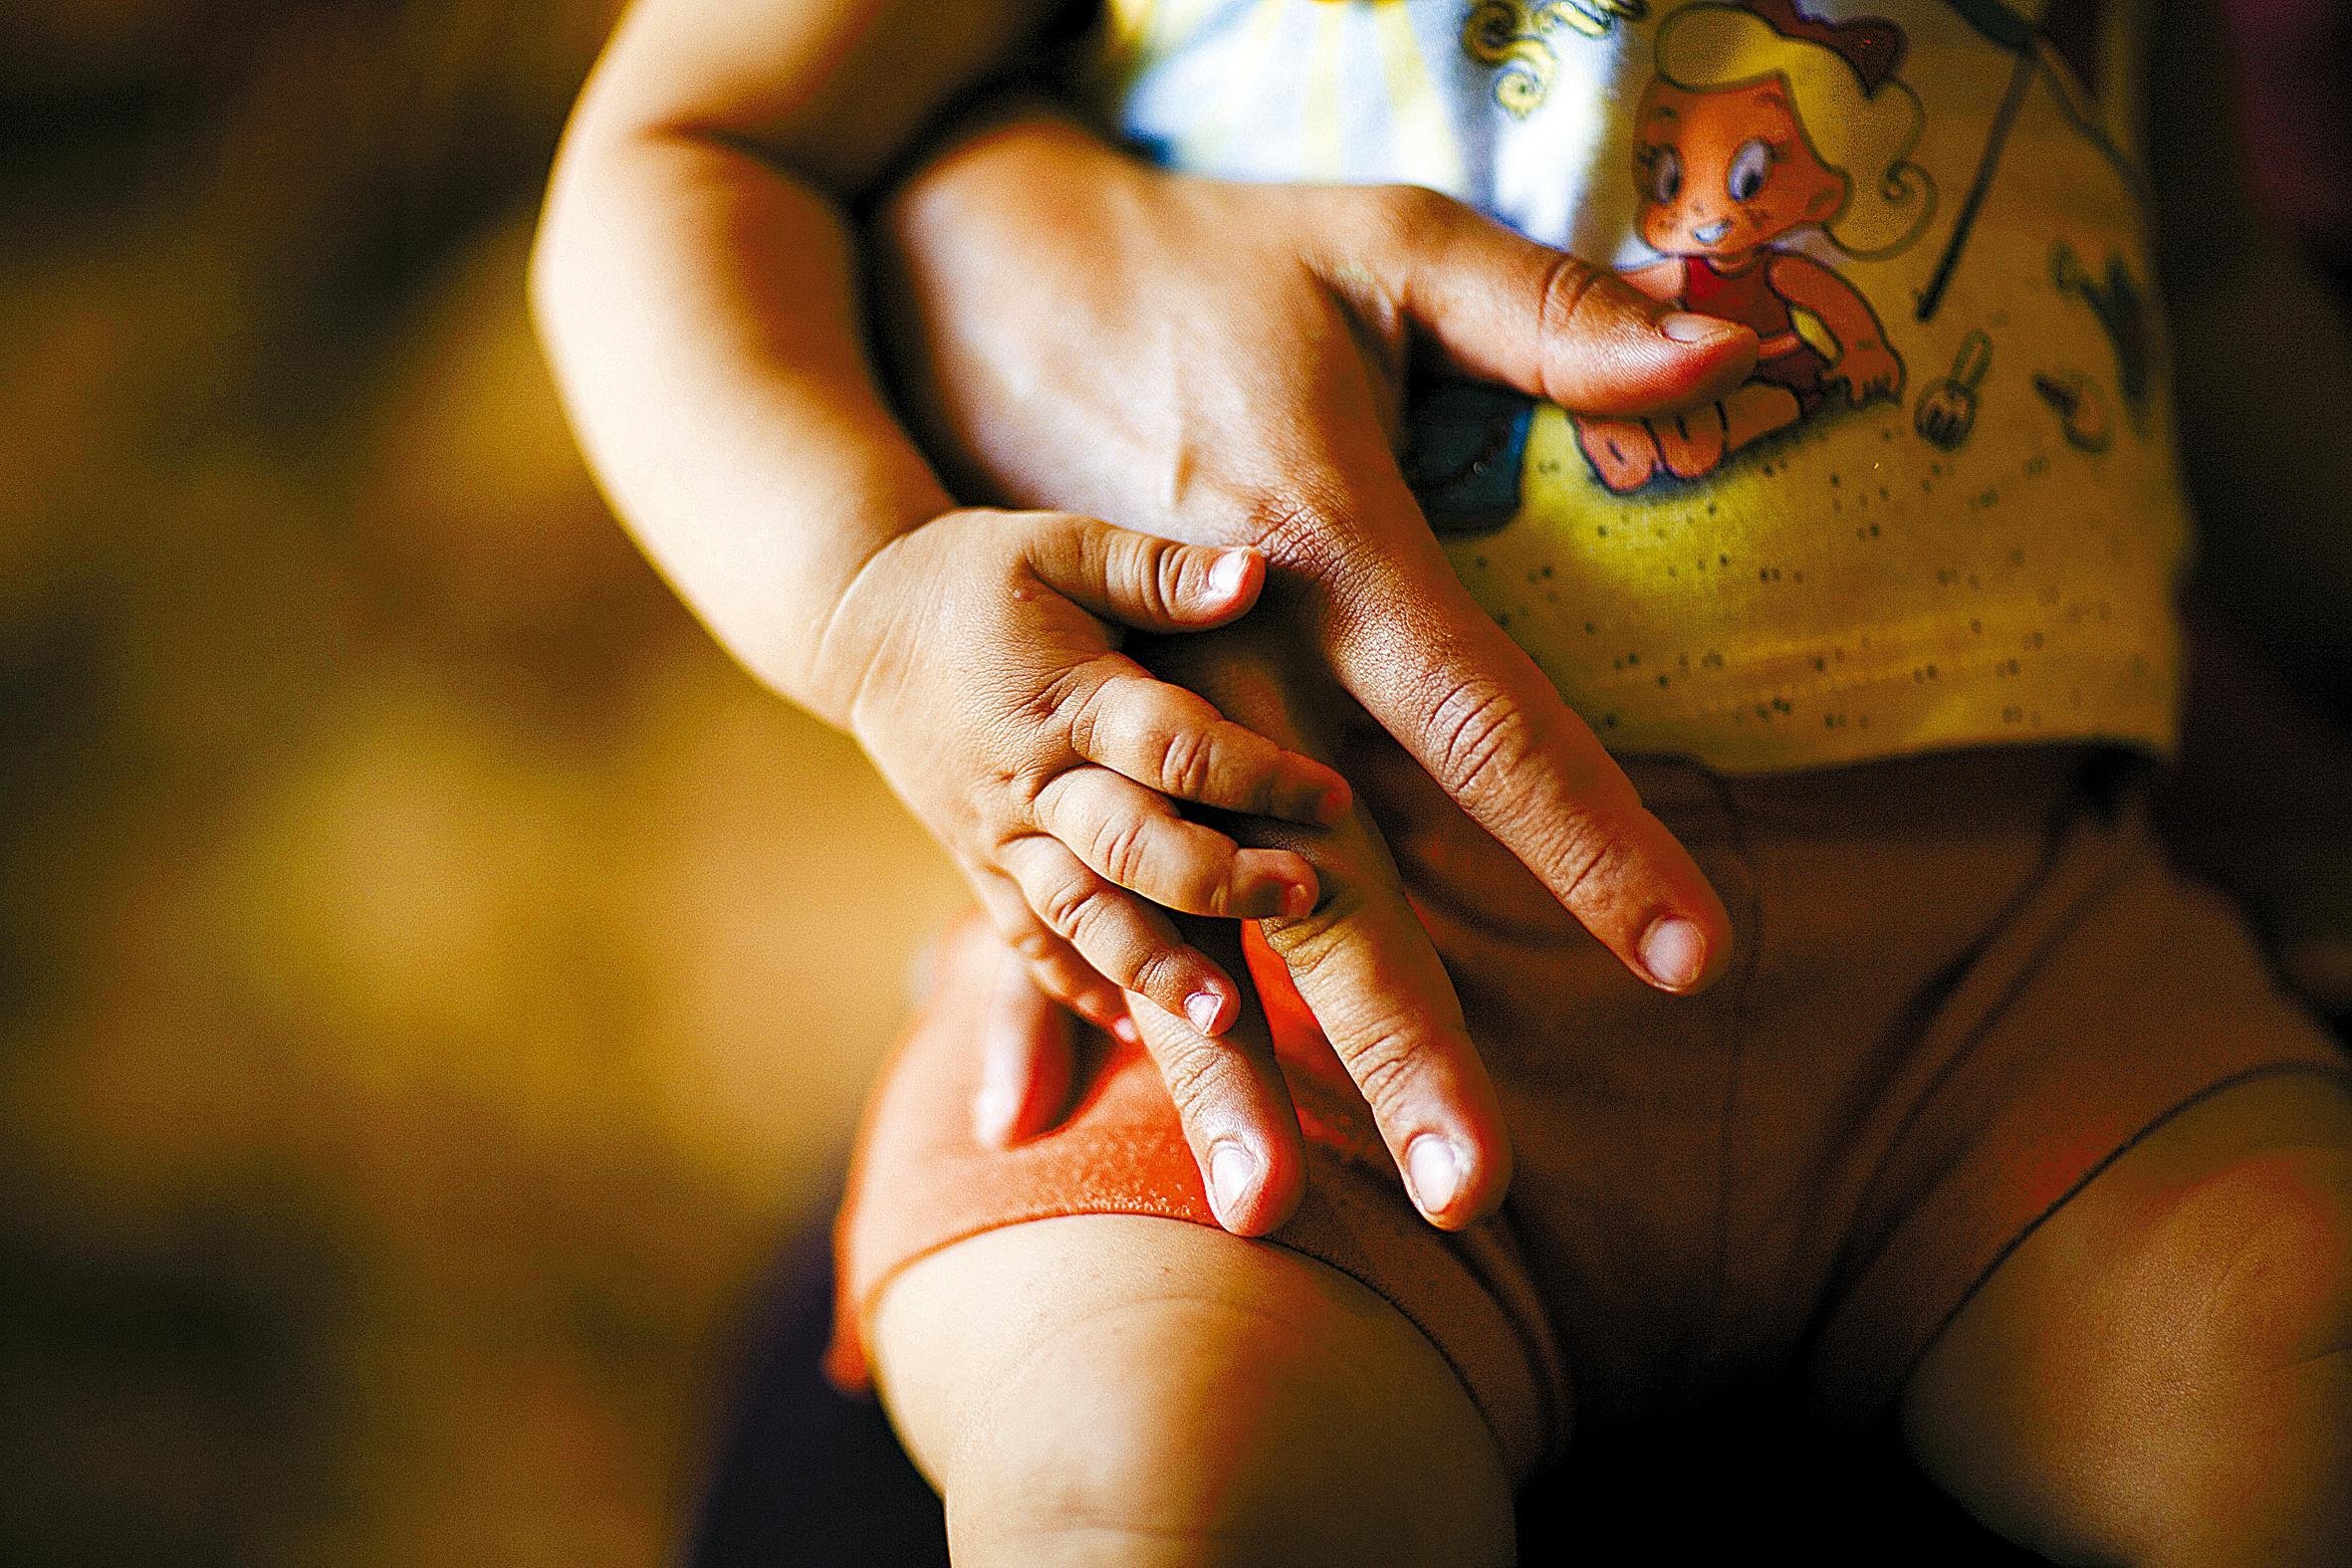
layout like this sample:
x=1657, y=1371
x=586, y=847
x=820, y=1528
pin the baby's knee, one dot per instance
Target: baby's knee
x=2282, y=1295
x=1178, y=1432
x=1187, y=1404
x=2231, y=1430
x=2168, y=1378
x=2261, y=1397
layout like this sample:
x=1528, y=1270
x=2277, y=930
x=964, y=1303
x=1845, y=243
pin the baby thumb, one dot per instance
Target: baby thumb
x=1141, y=579
x=1498, y=307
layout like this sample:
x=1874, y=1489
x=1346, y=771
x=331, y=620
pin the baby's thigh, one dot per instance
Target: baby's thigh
x=2162, y=1371
x=1130, y=1389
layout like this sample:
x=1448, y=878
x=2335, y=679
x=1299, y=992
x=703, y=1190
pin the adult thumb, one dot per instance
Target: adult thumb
x=1498, y=307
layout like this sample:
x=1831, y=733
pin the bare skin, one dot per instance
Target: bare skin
x=2163, y=1373
x=696, y=283
x=1304, y=1422
x=1063, y=1432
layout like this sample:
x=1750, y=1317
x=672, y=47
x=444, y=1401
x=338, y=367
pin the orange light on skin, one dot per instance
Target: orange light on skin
x=1724, y=173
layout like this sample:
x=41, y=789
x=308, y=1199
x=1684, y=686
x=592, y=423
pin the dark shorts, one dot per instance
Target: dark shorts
x=1964, y=984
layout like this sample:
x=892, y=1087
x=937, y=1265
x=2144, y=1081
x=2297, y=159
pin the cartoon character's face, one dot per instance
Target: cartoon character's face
x=1727, y=172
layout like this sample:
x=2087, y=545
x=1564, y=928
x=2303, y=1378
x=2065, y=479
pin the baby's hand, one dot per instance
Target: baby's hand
x=977, y=660
x=1226, y=362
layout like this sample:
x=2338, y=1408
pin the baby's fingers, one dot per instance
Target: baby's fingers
x=1125, y=941
x=1133, y=837
x=1139, y=579
x=1176, y=742
x=1053, y=964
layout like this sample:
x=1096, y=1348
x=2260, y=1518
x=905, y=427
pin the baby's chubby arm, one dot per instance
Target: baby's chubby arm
x=695, y=283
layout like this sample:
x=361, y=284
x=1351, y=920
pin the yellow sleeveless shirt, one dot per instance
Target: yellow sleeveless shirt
x=1944, y=511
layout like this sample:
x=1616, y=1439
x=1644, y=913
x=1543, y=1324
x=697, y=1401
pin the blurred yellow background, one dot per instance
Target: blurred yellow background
x=433, y=978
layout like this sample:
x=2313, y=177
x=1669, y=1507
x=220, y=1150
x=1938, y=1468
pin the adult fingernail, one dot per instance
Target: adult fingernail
x=1435, y=1169
x=1689, y=327
x=1227, y=572
x=993, y=1112
x=1234, y=1171
x=1673, y=952
x=1202, y=1007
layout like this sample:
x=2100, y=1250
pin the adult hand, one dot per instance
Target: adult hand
x=1224, y=363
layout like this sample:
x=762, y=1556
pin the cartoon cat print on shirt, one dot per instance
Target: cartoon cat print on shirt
x=1762, y=124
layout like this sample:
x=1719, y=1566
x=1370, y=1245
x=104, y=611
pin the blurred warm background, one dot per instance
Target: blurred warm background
x=432, y=978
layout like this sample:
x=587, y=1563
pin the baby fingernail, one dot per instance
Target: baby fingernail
x=1297, y=901
x=1673, y=952
x=1233, y=1176
x=1124, y=1027
x=1227, y=572
x=1435, y=1169
x=1689, y=327
x=1202, y=1007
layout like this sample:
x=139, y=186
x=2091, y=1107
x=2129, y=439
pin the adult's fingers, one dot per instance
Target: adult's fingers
x=1500, y=307
x=1366, y=970
x=1475, y=711
x=1231, y=1101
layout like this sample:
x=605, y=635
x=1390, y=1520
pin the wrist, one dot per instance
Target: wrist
x=862, y=623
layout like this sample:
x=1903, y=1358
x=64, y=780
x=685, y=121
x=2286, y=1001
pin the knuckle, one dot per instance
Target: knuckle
x=1062, y=694
x=1172, y=573
x=1158, y=972
x=1036, y=549
x=1137, y=571
x=1401, y=214
x=1302, y=529
x=1567, y=283
x=1071, y=905
x=1384, y=1067
x=1480, y=737
x=1122, y=850
x=1082, y=699
x=1195, y=1070
x=1310, y=942
x=1188, y=762
x=1589, y=857
x=1085, y=719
